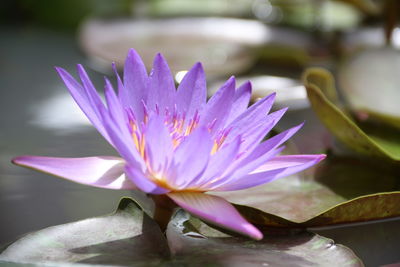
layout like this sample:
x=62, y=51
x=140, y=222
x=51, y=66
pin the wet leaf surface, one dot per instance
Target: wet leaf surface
x=381, y=144
x=372, y=242
x=204, y=246
x=292, y=198
x=126, y=237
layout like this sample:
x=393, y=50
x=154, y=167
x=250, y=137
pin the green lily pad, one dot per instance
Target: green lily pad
x=343, y=190
x=191, y=239
x=126, y=237
x=383, y=145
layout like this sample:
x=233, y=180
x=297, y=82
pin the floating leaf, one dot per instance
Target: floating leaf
x=126, y=237
x=292, y=198
x=342, y=126
x=345, y=190
x=192, y=240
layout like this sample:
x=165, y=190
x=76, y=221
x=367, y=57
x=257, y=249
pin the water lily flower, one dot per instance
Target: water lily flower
x=176, y=143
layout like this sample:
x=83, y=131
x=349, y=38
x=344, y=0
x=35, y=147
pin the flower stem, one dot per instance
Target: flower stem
x=164, y=208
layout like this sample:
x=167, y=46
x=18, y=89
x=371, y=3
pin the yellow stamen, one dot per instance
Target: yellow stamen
x=214, y=148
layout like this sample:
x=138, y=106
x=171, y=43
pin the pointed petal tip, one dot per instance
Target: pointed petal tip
x=61, y=71
x=82, y=72
x=132, y=53
x=269, y=98
x=272, y=95
x=299, y=126
x=253, y=232
x=80, y=66
x=247, y=85
x=198, y=67
x=320, y=158
x=133, y=57
x=24, y=160
x=17, y=160
x=158, y=57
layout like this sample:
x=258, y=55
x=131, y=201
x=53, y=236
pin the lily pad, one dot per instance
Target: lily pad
x=126, y=237
x=204, y=246
x=342, y=126
x=343, y=190
x=370, y=81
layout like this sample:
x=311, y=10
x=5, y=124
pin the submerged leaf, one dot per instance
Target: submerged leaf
x=190, y=239
x=126, y=237
x=341, y=125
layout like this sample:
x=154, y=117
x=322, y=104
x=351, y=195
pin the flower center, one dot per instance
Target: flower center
x=179, y=128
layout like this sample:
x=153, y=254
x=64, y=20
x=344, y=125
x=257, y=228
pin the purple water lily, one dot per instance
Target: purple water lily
x=175, y=142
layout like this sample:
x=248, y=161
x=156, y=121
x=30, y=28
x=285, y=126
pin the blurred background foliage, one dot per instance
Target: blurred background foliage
x=64, y=14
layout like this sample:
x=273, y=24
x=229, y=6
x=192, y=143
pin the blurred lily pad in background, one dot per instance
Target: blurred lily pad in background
x=370, y=83
x=209, y=40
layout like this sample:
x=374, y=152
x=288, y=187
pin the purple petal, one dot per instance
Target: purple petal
x=192, y=91
x=114, y=106
x=82, y=99
x=191, y=157
x=135, y=84
x=143, y=182
x=219, y=162
x=121, y=87
x=254, y=114
x=231, y=177
x=240, y=101
x=262, y=153
x=104, y=172
x=159, y=147
x=218, y=107
x=122, y=141
x=275, y=168
x=215, y=210
x=161, y=86
x=90, y=90
x=292, y=163
x=256, y=131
